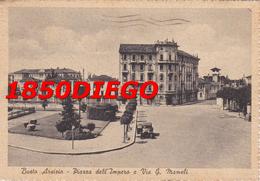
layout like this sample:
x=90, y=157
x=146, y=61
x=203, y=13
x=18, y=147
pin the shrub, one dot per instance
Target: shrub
x=10, y=109
x=91, y=126
x=78, y=134
x=63, y=126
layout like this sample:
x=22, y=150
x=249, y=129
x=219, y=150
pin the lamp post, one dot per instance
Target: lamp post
x=72, y=137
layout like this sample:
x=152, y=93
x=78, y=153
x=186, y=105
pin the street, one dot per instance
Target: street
x=193, y=136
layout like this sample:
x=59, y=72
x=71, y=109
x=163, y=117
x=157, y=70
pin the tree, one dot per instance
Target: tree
x=44, y=104
x=83, y=107
x=69, y=117
x=240, y=96
x=126, y=119
x=244, y=98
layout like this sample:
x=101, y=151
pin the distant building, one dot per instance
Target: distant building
x=175, y=71
x=247, y=79
x=209, y=85
x=39, y=75
x=204, y=87
x=44, y=74
x=91, y=79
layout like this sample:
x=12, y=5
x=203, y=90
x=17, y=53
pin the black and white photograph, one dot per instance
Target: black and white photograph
x=199, y=58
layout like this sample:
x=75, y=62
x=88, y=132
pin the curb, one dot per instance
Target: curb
x=83, y=153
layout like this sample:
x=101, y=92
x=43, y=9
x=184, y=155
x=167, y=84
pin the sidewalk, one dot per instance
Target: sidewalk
x=110, y=139
x=231, y=113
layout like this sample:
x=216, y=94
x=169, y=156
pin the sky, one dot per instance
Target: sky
x=89, y=38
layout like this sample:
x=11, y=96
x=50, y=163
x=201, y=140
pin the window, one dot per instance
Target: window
x=141, y=77
x=161, y=77
x=150, y=88
x=133, y=76
x=150, y=67
x=175, y=77
x=150, y=57
x=124, y=77
x=170, y=57
x=150, y=76
x=133, y=57
x=142, y=57
x=170, y=67
x=170, y=77
x=161, y=57
x=142, y=67
x=161, y=87
x=125, y=67
x=170, y=87
x=133, y=67
x=200, y=94
x=124, y=57
x=161, y=67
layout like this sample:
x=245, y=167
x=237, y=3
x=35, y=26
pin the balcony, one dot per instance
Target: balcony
x=125, y=71
x=141, y=70
x=150, y=71
x=163, y=61
x=141, y=61
x=133, y=61
x=170, y=70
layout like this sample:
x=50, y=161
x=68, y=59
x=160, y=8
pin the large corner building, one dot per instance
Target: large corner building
x=175, y=71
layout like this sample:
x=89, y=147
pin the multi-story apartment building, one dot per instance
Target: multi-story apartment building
x=175, y=71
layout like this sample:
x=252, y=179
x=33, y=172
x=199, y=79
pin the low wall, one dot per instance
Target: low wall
x=19, y=113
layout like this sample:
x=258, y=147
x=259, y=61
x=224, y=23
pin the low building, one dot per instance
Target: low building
x=105, y=78
x=209, y=85
x=39, y=75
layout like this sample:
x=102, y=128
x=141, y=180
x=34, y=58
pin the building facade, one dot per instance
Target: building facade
x=175, y=71
x=104, y=78
x=40, y=75
x=209, y=85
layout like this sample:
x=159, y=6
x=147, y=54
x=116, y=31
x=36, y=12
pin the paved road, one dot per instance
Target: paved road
x=198, y=135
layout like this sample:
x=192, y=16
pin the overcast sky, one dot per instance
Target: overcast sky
x=80, y=38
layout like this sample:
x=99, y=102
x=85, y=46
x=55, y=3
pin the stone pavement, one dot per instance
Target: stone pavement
x=110, y=139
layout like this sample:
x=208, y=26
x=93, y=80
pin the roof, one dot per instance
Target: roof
x=57, y=70
x=203, y=81
x=29, y=79
x=215, y=69
x=58, y=78
x=101, y=78
x=183, y=53
x=137, y=48
x=147, y=48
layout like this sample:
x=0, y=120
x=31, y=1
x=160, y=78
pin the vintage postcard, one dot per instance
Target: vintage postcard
x=125, y=90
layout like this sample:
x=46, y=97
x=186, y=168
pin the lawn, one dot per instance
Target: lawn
x=46, y=126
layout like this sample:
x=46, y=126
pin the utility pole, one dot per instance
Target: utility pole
x=83, y=74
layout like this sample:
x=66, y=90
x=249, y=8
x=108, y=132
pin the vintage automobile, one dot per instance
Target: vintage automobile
x=145, y=130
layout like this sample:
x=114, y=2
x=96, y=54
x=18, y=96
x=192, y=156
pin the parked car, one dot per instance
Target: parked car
x=145, y=130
